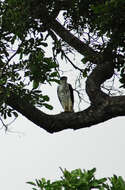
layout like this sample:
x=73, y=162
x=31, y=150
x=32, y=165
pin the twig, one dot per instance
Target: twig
x=3, y=124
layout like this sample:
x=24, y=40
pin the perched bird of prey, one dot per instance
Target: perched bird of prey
x=65, y=95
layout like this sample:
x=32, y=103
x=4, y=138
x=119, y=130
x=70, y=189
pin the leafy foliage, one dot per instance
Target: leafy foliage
x=103, y=24
x=24, y=32
x=23, y=64
x=80, y=180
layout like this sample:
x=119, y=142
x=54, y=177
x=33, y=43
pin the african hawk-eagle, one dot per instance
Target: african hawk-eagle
x=65, y=95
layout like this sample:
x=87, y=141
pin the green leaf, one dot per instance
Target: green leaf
x=48, y=106
x=46, y=98
x=102, y=180
x=44, y=44
x=37, y=91
x=5, y=115
x=15, y=114
x=31, y=183
x=54, y=74
x=84, y=73
x=54, y=80
x=91, y=172
x=9, y=114
x=35, y=84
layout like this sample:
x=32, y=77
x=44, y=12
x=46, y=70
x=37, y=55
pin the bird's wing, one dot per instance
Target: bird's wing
x=71, y=93
x=58, y=94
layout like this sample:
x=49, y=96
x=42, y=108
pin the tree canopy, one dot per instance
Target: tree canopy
x=78, y=179
x=93, y=28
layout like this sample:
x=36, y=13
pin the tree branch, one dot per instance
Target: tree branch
x=99, y=75
x=102, y=109
x=115, y=106
x=42, y=13
x=73, y=41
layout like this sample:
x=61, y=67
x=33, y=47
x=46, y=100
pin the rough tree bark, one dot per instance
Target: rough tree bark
x=102, y=108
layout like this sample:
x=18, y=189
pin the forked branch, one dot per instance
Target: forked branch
x=101, y=109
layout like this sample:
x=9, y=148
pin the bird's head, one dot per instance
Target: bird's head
x=63, y=80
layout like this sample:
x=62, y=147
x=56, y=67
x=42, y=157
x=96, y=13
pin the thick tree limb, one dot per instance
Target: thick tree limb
x=99, y=75
x=102, y=108
x=83, y=48
x=73, y=41
x=112, y=107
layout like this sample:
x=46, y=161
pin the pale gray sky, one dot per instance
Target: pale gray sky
x=33, y=153
x=30, y=152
